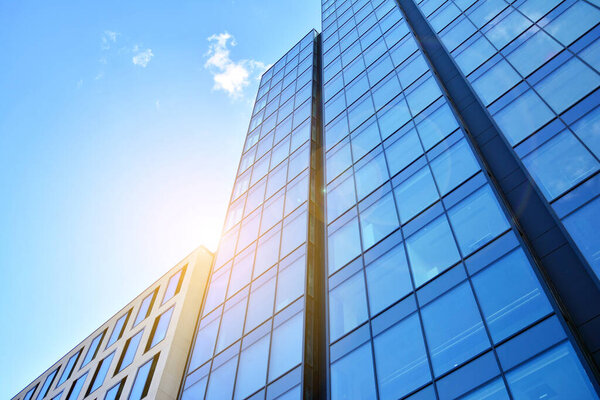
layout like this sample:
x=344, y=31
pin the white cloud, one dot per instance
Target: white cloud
x=107, y=38
x=228, y=75
x=142, y=58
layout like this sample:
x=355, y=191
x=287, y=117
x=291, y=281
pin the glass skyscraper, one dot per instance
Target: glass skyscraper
x=415, y=212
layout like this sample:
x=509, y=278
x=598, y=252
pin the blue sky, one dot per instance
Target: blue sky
x=121, y=126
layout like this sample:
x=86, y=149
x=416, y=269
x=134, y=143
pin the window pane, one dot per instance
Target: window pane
x=537, y=50
x=260, y=306
x=143, y=375
x=522, y=117
x=117, y=330
x=172, y=287
x=477, y=220
x=77, y=386
x=454, y=329
x=221, y=381
x=102, y=372
x=112, y=393
x=388, y=279
x=415, y=194
x=437, y=126
x=510, y=295
x=231, y=324
x=343, y=245
x=161, y=327
x=588, y=130
x=267, y=252
x=144, y=308
x=401, y=359
x=352, y=376
x=492, y=391
x=241, y=271
x=431, y=250
x=294, y=232
x=286, y=346
x=378, y=220
x=290, y=283
x=195, y=391
x=560, y=164
x=91, y=353
x=454, y=166
x=68, y=368
x=217, y=289
x=507, y=29
x=340, y=197
x=338, y=160
x=495, y=82
x=347, y=306
x=371, y=175
x=571, y=24
x=46, y=386
x=569, y=83
x=403, y=151
x=131, y=349
x=583, y=227
x=252, y=372
x=556, y=373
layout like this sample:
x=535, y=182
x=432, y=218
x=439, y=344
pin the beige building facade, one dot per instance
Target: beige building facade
x=138, y=353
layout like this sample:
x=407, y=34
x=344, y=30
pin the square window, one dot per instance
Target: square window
x=431, y=250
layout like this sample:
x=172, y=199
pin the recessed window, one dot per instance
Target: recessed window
x=118, y=329
x=100, y=374
x=145, y=308
x=159, y=330
x=143, y=379
x=114, y=393
x=47, y=384
x=77, y=387
x=174, y=285
x=129, y=350
x=66, y=374
x=93, y=349
x=29, y=394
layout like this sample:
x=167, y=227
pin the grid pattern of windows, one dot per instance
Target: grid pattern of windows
x=104, y=362
x=251, y=330
x=535, y=66
x=430, y=289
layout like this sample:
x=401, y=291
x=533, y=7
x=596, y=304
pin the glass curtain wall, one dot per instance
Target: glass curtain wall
x=431, y=293
x=250, y=338
x=535, y=65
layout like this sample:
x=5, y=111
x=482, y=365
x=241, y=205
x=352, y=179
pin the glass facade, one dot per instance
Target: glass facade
x=535, y=66
x=255, y=323
x=428, y=286
x=432, y=292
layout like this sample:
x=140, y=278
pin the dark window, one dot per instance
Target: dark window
x=174, y=285
x=100, y=374
x=143, y=379
x=114, y=393
x=129, y=351
x=66, y=374
x=159, y=330
x=93, y=349
x=47, y=384
x=29, y=394
x=77, y=387
x=145, y=308
x=118, y=329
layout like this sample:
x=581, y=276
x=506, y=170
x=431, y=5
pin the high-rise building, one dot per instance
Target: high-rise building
x=415, y=211
x=138, y=353
x=414, y=216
